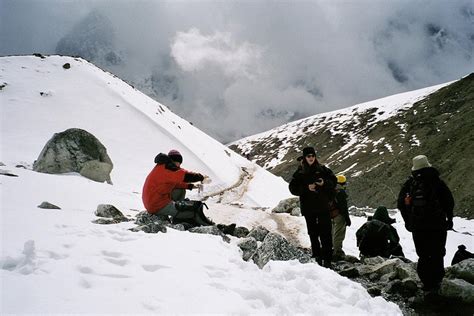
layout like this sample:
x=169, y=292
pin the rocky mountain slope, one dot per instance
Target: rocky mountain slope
x=373, y=143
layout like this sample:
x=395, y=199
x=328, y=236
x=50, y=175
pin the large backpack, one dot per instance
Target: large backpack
x=424, y=207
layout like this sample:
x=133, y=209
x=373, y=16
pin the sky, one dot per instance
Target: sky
x=59, y=262
x=235, y=68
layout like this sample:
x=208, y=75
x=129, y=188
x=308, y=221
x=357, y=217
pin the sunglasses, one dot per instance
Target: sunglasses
x=310, y=156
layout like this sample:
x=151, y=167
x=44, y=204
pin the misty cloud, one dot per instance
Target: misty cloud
x=235, y=68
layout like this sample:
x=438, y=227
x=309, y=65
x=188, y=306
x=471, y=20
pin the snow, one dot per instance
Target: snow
x=59, y=262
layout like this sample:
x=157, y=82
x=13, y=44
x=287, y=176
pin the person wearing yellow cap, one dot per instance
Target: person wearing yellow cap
x=339, y=217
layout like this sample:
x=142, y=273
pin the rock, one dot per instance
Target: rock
x=248, y=246
x=350, y=272
x=69, y=151
x=406, y=288
x=462, y=270
x=374, y=291
x=241, y=232
x=106, y=221
x=227, y=229
x=259, y=233
x=110, y=211
x=97, y=171
x=151, y=228
x=211, y=230
x=296, y=212
x=459, y=289
x=67, y=66
x=48, y=205
x=287, y=205
x=351, y=259
x=276, y=247
x=145, y=218
x=372, y=260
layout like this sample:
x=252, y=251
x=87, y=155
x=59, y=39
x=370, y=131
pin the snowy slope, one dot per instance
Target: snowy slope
x=133, y=127
x=57, y=261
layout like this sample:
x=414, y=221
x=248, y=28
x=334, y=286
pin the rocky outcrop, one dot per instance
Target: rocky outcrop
x=276, y=247
x=75, y=150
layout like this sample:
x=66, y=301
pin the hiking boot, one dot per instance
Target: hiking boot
x=327, y=264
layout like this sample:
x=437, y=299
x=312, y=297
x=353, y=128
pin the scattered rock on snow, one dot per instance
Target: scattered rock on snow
x=287, y=206
x=259, y=233
x=110, y=211
x=7, y=173
x=48, y=205
x=248, y=246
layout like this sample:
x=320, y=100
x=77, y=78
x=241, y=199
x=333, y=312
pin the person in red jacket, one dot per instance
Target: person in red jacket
x=165, y=186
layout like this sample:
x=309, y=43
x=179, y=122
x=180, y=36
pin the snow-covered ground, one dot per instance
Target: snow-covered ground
x=58, y=261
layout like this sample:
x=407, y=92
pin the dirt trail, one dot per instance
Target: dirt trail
x=235, y=191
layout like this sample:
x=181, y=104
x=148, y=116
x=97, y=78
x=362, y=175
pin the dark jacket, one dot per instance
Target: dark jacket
x=313, y=201
x=438, y=209
x=377, y=237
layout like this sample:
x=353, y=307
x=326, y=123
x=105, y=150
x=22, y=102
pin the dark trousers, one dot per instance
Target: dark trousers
x=430, y=248
x=319, y=231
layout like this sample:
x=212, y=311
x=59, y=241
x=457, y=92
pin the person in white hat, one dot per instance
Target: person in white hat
x=426, y=205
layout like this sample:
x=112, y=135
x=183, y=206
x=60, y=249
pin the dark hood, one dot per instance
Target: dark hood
x=163, y=159
x=381, y=214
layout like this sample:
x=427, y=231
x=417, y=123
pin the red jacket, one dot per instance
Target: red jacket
x=161, y=181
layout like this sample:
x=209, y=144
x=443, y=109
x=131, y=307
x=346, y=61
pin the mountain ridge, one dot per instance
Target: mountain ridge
x=373, y=143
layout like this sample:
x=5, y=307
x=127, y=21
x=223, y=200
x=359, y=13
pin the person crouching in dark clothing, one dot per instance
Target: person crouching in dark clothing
x=315, y=185
x=426, y=205
x=377, y=237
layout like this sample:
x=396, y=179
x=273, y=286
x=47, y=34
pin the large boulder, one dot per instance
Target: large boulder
x=276, y=247
x=290, y=205
x=462, y=270
x=75, y=150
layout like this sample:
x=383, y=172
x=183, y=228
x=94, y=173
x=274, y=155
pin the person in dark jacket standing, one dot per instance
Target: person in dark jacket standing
x=315, y=185
x=377, y=237
x=426, y=205
x=339, y=217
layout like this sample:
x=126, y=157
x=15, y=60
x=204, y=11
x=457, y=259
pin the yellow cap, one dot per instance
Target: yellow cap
x=341, y=179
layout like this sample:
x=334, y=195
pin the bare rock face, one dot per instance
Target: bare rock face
x=75, y=150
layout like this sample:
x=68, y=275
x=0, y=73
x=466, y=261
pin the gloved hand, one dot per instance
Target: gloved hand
x=199, y=187
x=449, y=224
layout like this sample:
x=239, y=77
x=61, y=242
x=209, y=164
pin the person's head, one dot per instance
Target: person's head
x=309, y=156
x=381, y=214
x=341, y=179
x=175, y=157
x=420, y=162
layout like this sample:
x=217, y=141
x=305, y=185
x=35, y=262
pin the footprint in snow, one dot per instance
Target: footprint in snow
x=153, y=267
x=119, y=262
x=113, y=254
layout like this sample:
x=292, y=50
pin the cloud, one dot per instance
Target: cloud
x=235, y=68
x=194, y=51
